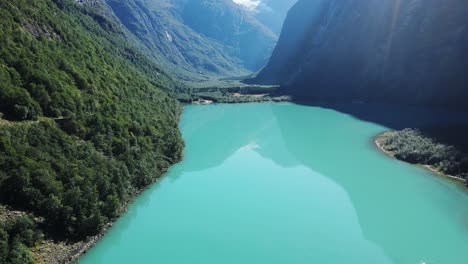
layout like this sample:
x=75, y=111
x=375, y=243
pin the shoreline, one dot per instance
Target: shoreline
x=234, y=98
x=71, y=252
x=377, y=143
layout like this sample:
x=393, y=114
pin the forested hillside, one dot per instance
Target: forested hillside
x=411, y=52
x=86, y=121
x=183, y=52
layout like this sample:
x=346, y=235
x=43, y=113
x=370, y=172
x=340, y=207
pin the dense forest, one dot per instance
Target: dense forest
x=86, y=121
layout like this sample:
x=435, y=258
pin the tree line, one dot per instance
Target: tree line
x=87, y=121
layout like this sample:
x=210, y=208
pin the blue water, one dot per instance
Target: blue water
x=288, y=184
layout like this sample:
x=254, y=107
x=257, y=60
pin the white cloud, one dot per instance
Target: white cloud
x=250, y=4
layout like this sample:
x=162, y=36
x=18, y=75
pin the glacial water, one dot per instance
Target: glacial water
x=290, y=184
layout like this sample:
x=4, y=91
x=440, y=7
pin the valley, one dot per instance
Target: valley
x=221, y=131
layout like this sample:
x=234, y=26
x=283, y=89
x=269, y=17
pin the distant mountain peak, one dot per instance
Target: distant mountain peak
x=249, y=4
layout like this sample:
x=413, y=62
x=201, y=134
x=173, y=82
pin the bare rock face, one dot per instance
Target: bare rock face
x=87, y=2
x=272, y=13
x=404, y=51
x=40, y=30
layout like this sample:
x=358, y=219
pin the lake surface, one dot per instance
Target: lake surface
x=289, y=184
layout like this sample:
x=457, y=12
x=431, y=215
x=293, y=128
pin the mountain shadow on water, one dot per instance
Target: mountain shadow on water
x=446, y=126
x=262, y=126
x=360, y=172
x=333, y=146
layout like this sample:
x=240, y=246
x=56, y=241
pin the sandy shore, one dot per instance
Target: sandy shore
x=382, y=136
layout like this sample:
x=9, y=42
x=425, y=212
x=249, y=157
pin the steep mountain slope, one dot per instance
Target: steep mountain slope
x=234, y=27
x=272, y=13
x=184, y=53
x=408, y=51
x=192, y=46
x=85, y=122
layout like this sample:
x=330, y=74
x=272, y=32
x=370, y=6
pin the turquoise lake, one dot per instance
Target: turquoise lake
x=289, y=184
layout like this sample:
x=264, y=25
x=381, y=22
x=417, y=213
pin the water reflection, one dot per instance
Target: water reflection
x=337, y=146
x=280, y=183
x=396, y=213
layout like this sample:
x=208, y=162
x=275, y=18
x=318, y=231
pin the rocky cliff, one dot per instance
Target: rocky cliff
x=405, y=51
x=272, y=13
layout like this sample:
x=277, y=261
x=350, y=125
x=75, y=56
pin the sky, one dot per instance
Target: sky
x=250, y=4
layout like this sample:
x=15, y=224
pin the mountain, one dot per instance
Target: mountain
x=184, y=53
x=86, y=121
x=192, y=46
x=409, y=51
x=272, y=13
x=232, y=26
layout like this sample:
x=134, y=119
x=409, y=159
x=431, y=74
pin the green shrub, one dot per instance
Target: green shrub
x=16, y=235
x=414, y=147
x=3, y=246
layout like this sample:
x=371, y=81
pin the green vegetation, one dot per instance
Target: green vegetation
x=159, y=28
x=412, y=146
x=16, y=235
x=224, y=97
x=241, y=34
x=87, y=121
x=231, y=92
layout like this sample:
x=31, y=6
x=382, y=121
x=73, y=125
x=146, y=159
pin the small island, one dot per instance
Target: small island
x=412, y=146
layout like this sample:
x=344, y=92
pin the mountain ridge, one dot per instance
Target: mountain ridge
x=193, y=47
x=411, y=53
